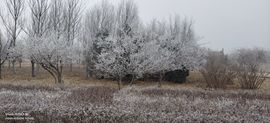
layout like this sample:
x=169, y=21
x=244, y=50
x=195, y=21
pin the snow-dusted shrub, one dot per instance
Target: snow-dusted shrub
x=249, y=68
x=218, y=70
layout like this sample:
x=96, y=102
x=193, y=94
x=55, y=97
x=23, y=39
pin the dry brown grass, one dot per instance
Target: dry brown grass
x=90, y=100
x=134, y=104
x=195, y=80
x=74, y=77
x=78, y=78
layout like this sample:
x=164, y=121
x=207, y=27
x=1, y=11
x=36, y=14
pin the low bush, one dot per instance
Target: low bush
x=217, y=71
x=249, y=72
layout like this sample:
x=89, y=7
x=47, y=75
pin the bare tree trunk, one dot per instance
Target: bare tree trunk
x=119, y=83
x=1, y=71
x=88, y=70
x=161, y=74
x=9, y=64
x=33, y=68
x=20, y=64
x=13, y=66
x=55, y=78
x=38, y=69
x=59, y=78
x=59, y=73
x=70, y=67
x=132, y=79
x=87, y=73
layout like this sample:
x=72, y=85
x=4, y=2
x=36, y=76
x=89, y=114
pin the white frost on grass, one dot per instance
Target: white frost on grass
x=134, y=104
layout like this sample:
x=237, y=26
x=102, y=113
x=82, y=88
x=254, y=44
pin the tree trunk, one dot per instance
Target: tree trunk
x=70, y=67
x=160, y=78
x=59, y=73
x=38, y=69
x=132, y=79
x=1, y=71
x=13, y=67
x=9, y=64
x=87, y=73
x=59, y=78
x=119, y=83
x=33, y=68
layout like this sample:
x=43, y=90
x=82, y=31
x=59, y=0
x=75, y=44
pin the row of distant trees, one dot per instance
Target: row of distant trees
x=44, y=31
x=113, y=42
x=111, y=39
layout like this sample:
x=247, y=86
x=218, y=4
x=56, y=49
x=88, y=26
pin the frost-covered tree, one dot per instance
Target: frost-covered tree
x=13, y=22
x=99, y=25
x=119, y=45
x=170, y=46
x=72, y=18
x=183, y=44
x=56, y=13
x=50, y=52
x=72, y=11
x=123, y=40
x=4, y=51
x=39, y=22
x=76, y=52
x=48, y=46
x=158, y=55
x=119, y=59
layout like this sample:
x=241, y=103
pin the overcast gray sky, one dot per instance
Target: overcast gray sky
x=227, y=24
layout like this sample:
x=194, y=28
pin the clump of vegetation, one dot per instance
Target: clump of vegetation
x=249, y=68
x=244, y=65
x=217, y=71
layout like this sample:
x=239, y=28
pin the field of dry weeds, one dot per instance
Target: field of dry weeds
x=67, y=104
x=85, y=101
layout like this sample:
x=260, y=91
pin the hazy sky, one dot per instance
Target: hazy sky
x=227, y=24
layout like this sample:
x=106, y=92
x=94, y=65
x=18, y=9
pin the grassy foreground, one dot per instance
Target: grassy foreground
x=87, y=104
x=86, y=101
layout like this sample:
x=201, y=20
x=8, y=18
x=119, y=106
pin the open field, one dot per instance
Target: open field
x=133, y=104
x=83, y=100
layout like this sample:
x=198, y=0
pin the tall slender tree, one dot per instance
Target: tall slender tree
x=99, y=25
x=4, y=45
x=39, y=22
x=72, y=18
x=13, y=22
